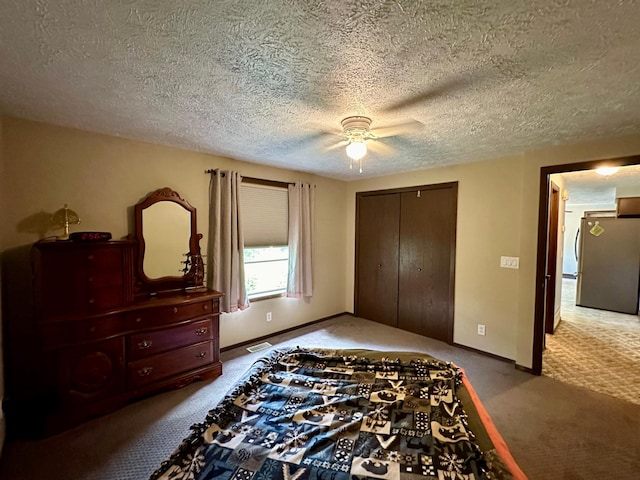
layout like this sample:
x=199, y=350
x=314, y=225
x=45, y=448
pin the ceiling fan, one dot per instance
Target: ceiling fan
x=358, y=137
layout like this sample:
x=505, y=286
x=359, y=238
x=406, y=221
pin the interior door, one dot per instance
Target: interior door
x=427, y=259
x=377, y=243
x=552, y=259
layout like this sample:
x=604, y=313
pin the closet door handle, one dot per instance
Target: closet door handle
x=419, y=269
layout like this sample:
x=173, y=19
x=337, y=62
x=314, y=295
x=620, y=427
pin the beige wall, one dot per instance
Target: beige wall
x=102, y=177
x=628, y=191
x=487, y=227
x=497, y=215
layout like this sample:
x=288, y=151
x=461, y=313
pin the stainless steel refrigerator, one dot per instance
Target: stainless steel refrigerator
x=609, y=264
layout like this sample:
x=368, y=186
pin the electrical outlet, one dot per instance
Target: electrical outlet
x=268, y=316
x=481, y=330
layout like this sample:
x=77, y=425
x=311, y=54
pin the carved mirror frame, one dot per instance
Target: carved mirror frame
x=194, y=274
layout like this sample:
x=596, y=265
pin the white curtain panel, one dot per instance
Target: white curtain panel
x=301, y=232
x=226, y=269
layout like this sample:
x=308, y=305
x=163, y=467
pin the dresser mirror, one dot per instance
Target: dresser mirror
x=168, y=243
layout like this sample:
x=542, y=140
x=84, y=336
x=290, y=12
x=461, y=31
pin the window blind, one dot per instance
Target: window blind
x=265, y=215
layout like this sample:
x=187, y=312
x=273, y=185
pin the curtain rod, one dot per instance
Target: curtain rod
x=258, y=181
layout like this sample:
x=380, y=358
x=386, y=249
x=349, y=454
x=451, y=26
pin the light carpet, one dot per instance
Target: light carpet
x=594, y=349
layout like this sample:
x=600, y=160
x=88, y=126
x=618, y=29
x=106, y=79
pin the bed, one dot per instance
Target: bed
x=319, y=414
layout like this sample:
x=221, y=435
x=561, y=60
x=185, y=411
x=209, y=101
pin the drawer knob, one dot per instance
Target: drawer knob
x=92, y=329
x=144, y=344
x=205, y=306
x=143, y=372
x=138, y=319
x=175, y=309
x=92, y=301
x=201, y=355
x=202, y=331
x=89, y=257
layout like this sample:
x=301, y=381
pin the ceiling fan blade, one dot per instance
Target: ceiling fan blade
x=440, y=90
x=320, y=129
x=340, y=144
x=397, y=129
x=292, y=144
x=380, y=148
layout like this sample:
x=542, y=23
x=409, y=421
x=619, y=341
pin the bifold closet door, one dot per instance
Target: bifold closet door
x=377, y=258
x=427, y=246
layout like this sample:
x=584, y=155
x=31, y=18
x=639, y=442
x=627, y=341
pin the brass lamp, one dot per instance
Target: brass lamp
x=65, y=217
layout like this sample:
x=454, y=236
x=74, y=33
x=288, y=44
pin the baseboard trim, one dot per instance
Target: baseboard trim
x=324, y=319
x=280, y=332
x=486, y=354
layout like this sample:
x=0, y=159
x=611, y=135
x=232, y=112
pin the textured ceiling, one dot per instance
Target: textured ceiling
x=269, y=81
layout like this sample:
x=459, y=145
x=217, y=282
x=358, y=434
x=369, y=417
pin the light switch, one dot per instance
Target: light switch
x=510, y=262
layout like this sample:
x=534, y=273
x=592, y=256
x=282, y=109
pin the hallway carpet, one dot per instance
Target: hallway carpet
x=555, y=431
x=594, y=349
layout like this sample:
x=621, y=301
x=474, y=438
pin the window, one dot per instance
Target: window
x=266, y=270
x=265, y=221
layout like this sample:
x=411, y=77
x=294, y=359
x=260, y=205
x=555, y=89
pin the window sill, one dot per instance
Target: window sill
x=267, y=297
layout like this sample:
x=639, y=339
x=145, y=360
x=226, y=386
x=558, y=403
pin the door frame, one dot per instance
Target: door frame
x=541, y=256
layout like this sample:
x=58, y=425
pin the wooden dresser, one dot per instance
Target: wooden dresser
x=102, y=343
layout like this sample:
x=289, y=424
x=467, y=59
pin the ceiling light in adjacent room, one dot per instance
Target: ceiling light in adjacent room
x=606, y=171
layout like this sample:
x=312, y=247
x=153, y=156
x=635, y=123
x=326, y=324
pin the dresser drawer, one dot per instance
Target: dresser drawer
x=101, y=261
x=81, y=331
x=150, y=343
x=70, y=277
x=106, y=297
x=157, y=367
x=159, y=316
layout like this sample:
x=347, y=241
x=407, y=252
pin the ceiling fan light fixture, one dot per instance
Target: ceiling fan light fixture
x=356, y=149
x=356, y=130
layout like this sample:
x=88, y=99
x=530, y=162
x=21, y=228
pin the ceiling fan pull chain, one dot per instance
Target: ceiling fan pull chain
x=360, y=162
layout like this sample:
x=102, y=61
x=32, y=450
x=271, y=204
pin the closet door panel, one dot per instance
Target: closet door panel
x=427, y=233
x=377, y=247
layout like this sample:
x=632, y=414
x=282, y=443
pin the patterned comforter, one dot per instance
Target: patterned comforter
x=333, y=415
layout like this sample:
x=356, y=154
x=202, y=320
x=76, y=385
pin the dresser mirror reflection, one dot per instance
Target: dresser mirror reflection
x=168, y=243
